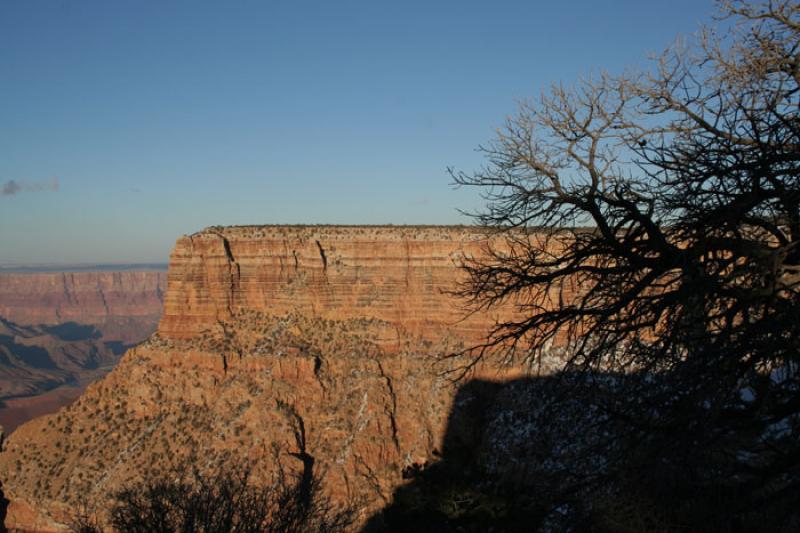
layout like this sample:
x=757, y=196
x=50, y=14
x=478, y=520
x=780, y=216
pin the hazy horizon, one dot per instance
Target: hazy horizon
x=36, y=268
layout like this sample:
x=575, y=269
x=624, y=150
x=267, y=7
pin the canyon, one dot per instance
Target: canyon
x=275, y=342
x=88, y=298
x=60, y=331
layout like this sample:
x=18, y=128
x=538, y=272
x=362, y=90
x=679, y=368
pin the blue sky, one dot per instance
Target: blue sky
x=124, y=125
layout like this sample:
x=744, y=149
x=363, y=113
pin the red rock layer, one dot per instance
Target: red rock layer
x=394, y=273
x=82, y=297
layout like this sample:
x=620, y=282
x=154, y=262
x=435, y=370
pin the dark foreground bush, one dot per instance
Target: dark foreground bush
x=227, y=499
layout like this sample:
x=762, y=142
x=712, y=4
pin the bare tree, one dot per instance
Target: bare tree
x=653, y=228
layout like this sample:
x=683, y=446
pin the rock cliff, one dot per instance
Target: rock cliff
x=89, y=298
x=399, y=274
x=335, y=330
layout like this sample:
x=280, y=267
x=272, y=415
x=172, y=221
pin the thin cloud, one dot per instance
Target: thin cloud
x=422, y=200
x=12, y=187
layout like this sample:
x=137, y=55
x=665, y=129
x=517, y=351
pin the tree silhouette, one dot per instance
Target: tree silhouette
x=224, y=499
x=652, y=229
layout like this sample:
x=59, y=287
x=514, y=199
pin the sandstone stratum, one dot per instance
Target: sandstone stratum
x=338, y=330
x=394, y=273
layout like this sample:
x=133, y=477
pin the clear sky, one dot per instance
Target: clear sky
x=124, y=125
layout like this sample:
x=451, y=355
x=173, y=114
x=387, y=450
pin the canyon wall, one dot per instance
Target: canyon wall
x=60, y=331
x=400, y=274
x=338, y=330
x=31, y=299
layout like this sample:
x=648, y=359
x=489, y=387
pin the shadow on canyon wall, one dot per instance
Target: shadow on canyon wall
x=46, y=366
x=72, y=331
x=558, y=453
x=3, y=510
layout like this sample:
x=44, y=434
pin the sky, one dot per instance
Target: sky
x=124, y=125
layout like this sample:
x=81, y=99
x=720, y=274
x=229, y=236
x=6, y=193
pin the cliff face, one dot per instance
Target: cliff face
x=396, y=274
x=68, y=329
x=81, y=297
x=338, y=330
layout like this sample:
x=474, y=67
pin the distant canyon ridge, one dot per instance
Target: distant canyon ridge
x=61, y=330
x=338, y=330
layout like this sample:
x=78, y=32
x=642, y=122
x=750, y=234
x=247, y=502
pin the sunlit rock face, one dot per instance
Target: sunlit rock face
x=393, y=273
x=338, y=330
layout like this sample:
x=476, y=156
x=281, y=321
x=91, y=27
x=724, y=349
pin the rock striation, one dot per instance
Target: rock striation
x=399, y=274
x=30, y=299
x=270, y=333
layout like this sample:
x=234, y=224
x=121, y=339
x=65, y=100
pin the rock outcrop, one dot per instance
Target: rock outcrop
x=400, y=274
x=335, y=330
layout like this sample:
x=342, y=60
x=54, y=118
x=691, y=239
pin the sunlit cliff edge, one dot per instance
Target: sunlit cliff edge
x=400, y=274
